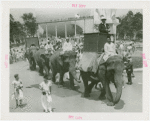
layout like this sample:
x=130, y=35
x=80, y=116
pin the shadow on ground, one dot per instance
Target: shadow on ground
x=23, y=105
x=95, y=96
x=61, y=91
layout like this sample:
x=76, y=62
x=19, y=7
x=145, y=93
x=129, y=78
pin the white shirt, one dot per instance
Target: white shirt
x=49, y=46
x=109, y=48
x=17, y=83
x=129, y=47
x=67, y=46
x=75, y=44
x=47, y=40
x=59, y=40
x=46, y=86
x=121, y=46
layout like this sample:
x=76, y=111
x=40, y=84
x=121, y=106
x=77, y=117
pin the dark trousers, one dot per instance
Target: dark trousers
x=129, y=76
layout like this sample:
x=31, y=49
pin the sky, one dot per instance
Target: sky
x=45, y=15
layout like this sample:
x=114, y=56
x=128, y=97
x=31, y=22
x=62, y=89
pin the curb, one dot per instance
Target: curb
x=138, y=69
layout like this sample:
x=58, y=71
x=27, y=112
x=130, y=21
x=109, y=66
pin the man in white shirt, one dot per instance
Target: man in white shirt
x=67, y=45
x=59, y=39
x=49, y=46
x=109, y=49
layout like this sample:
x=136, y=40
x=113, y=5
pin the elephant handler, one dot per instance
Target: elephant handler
x=129, y=70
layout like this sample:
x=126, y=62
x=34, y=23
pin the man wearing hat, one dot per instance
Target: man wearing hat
x=67, y=45
x=103, y=27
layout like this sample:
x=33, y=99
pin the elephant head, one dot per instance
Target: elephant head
x=67, y=61
x=44, y=60
x=29, y=55
x=115, y=68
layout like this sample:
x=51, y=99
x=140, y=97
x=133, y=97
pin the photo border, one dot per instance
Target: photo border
x=5, y=114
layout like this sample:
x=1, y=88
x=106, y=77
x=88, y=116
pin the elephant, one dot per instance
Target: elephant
x=110, y=71
x=40, y=58
x=62, y=63
x=29, y=55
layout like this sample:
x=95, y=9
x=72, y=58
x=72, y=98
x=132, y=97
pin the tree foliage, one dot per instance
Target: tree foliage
x=16, y=30
x=130, y=26
x=29, y=24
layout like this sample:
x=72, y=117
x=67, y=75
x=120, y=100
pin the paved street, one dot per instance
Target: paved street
x=66, y=100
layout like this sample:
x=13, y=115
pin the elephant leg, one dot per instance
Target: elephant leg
x=91, y=85
x=102, y=94
x=85, y=81
x=41, y=70
x=34, y=65
x=53, y=77
x=101, y=76
x=53, y=73
x=71, y=81
x=30, y=64
x=61, y=82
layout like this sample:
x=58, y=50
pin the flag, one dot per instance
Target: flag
x=113, y=14
x=77, y=16
x=96, y=17
x=40, y=30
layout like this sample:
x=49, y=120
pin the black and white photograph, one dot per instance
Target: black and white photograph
x=75, y=60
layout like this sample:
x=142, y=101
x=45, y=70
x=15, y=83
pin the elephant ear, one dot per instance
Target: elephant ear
x=112, y=61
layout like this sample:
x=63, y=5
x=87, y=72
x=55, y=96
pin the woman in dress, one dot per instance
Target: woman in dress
x=46, y=99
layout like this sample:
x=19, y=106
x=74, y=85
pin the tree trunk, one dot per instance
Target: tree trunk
x=125, y=35
x=134, y=35
x=117, y=36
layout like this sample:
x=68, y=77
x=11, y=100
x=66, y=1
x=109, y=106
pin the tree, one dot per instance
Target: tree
x=137, y=24
x=30, y=25
x=16, y=30
x=126, y=24
x=130, y=25
x=119, y=31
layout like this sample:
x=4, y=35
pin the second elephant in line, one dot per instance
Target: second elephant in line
x=62, y=63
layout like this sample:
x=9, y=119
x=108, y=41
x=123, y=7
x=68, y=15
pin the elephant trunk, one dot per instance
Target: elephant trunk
x=119, y=83
x=72, y=70
x=46, y=70
x=74, y=74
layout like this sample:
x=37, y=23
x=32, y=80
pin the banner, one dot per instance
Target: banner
x=109, y=14
x=40, y=30
x=97, y=19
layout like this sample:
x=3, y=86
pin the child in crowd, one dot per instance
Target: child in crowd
x=18, y=92
x=46, y=99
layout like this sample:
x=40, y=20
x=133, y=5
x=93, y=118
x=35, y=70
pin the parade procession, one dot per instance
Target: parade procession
x=75, y=61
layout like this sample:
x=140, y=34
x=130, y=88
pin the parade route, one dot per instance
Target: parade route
x=66, y=100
